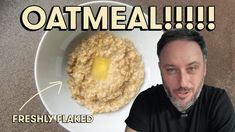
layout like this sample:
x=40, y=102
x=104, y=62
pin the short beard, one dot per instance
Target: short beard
x=180, y=107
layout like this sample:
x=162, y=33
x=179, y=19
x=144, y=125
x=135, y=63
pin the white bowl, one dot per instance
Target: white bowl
x=51, y=62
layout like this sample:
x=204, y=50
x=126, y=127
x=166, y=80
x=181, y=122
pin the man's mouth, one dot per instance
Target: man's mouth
x=182, y=94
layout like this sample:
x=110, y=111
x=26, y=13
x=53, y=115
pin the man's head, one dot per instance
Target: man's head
x=182, y=61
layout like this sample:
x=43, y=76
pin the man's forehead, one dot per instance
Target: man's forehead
x=181, y=51
x=181, y=41
x=180, y=46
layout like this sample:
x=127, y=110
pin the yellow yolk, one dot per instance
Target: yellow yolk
x=100, y=68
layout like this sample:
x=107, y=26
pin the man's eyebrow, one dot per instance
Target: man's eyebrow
x=192, y=63
x=168, y=65
x=171, y=65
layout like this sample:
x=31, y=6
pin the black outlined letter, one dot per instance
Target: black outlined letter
x=115, y=18
x=72, y=17
x=137, y=19
x=152, y=11
x=94, y=22
x=24, y=19
x=55, y=19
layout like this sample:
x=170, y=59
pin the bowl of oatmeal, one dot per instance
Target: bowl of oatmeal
x=105, y=72
x=94, y=79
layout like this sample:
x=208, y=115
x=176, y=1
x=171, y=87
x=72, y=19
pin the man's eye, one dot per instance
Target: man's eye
x=171, y=70
x=192, y=69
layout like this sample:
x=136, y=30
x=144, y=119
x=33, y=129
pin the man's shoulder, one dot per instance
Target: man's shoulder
x=146, y=97
x=213, y=96
x=152, y=92
x=153, y=89
x=212, y=91
x=219, y=108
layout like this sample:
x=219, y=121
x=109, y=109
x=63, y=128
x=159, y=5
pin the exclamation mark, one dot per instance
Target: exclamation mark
x=167, y=17
x=189, y=17
x=211, y=18
x=178, y=16
x=200, y=17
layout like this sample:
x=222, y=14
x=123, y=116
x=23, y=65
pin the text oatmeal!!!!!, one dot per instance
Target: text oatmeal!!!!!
x=116, y=18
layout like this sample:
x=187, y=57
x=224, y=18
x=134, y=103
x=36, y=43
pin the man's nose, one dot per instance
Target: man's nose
x=183, y=80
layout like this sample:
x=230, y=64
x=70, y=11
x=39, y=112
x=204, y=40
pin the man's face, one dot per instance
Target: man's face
x=183, y=69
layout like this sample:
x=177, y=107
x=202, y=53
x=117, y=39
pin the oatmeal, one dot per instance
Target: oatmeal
x=105, y=72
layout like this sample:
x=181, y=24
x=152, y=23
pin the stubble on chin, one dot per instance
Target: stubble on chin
x=178, y=104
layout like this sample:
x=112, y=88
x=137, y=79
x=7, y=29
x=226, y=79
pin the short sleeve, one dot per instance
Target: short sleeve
x=223, y=116
x=138, y=118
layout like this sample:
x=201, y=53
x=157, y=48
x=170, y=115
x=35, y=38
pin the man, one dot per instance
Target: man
x=183, y=103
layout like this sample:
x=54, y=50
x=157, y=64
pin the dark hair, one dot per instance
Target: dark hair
x=182, y=34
